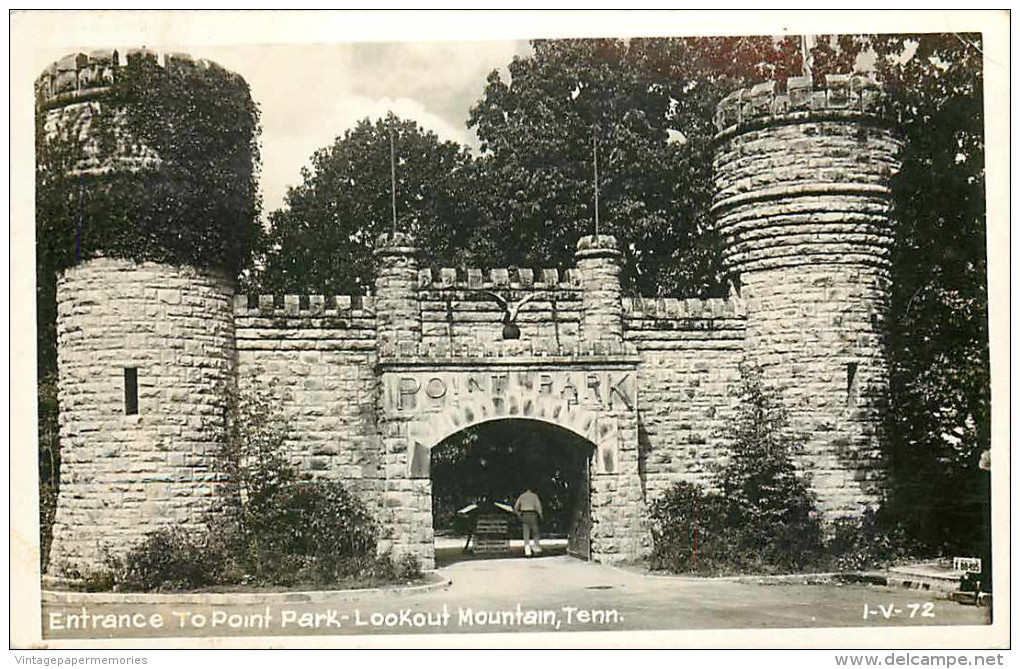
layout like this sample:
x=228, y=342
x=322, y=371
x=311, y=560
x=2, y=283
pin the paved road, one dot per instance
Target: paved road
x=537, y=595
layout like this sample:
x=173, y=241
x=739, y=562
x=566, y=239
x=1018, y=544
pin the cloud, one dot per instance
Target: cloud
x=310, y=94
x=285, y=153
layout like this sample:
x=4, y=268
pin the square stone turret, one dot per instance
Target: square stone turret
x=598, y=261
x=398, y=315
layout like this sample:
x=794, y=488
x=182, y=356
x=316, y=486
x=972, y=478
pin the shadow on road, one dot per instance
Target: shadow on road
x=449, y=555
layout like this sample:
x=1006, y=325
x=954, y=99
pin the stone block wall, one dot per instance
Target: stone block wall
x=319, y=355
x=123, y=476
x=690, y=355
x=620, y=531
x=804, y=209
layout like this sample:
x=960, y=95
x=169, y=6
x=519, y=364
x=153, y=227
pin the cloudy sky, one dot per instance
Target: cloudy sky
x=310, y=94
x=315, y=74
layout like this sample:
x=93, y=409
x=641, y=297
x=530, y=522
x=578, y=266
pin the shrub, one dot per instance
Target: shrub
x=410, y=567
x=270, y=529
x=319, y=523
x=873, y=540
x=168, y=559
x=760, y=518
x=253, y=460
x=677, y=526
x=765, y=493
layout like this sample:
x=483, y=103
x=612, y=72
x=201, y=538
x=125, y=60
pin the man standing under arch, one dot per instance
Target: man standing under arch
x=528, y=508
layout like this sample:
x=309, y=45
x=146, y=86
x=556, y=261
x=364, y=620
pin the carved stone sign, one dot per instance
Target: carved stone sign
x=415, y=391
x=438, y=403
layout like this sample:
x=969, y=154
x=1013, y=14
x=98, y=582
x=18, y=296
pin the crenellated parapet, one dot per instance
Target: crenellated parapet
x=791, y=99
x=79, y=77
x=802, y=177
x=449, y=278
x=682, y=309
x=663, y=324
x=305, y=323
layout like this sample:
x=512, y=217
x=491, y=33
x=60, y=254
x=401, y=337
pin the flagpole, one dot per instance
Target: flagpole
x=805, y=54
x=595, y=156
x=393, y=180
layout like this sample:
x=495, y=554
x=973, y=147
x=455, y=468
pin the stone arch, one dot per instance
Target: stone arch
x=427, y=430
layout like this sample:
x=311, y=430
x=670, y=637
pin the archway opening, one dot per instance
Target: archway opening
x=479, y=472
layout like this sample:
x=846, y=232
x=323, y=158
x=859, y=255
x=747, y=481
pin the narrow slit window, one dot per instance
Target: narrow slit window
x=130, y=391
x=851, y=385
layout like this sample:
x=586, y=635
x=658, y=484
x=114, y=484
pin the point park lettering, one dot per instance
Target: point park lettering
x=604, y=389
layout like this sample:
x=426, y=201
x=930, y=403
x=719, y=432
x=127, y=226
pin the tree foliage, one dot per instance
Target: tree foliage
x=758, y=476
x=940, y=419
x=199, y=206
x=322, y=240
x=646, y=107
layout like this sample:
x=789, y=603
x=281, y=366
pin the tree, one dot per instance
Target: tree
x=322, y=240
x=940, y=419
x=939, y=414
x=646, y=107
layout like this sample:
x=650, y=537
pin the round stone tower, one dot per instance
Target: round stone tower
x=145, y=350
x=803, y=206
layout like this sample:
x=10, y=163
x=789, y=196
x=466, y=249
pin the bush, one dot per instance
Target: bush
x=698, y=531
x=168, y=559
x=270, y=529
x=761, y=518
x=317, y=534
x=317, y=524
x=679, y=520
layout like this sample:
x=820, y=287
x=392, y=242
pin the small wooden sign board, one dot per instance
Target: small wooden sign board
x=492, y=535
x=968, y=564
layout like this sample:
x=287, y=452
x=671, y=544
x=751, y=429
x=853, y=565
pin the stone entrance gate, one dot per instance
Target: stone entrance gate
x=425, y=401
x=369, y=384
